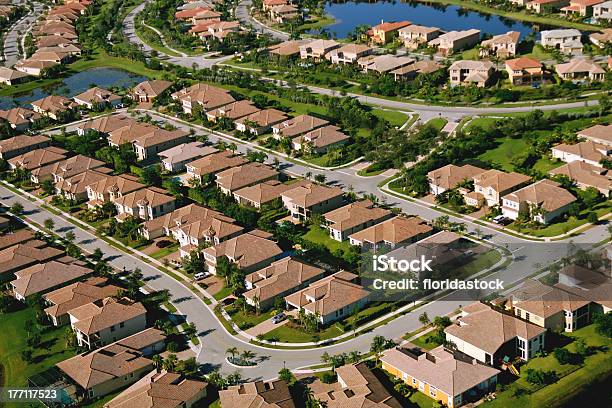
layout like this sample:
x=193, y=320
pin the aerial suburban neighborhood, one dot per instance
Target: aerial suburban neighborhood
x=305, y=203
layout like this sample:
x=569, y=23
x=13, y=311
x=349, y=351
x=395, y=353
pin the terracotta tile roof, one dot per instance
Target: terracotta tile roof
x=78, y=294
x=354, y=215
x=450, y=373
x=78, y=183
x=19, y=116
x=586, y=150
x=52, y=40
x=544, y=301
x=328, y=295
x=14, y=238
x=546, y=194
x=288, y=48
x=511, y=37
x=54, y=104
x=384, y=63
x=215, y=162
x=418, y=29
x=123, y=184
x=280, y=277
x=7, y=73
x=586, y=174
x=391, y=25
x=578, y=65
x=97, y=95
x=265, y=117
x=24, y=255
x=234, y=110
x=246, y=175
x=189, y=13
x=75, y=165
x=500, y=180
x=104, y=313
x=499, y=327
x=38, y=278
x=208, y=96
x=107, y=124
x=152, y=88
x=265, y=192
x=159, y=390
x=246, y=250
x=186, y=151
x=395, y=231
x=602, y=133
x=144, y=135
x=322, y=137
x=38, y=158
x=521, y=63
x=311, y=194
x=450, y=175
x=34, y=64
x=148, y=197
x=299, y=125
x=273, y=394
x=21, y=142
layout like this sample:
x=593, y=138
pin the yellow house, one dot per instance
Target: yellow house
x=384, y=33
x=447, y=376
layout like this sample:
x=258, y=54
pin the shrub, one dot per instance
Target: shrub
x=328, y=377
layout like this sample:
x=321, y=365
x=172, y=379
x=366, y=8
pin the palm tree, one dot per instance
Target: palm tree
x=424, y=318
x=247, y=355
x=233, y=351
x=170, y=362
x=158, y=361
x=49, y=224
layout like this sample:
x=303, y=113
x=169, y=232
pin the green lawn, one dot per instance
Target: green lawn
x=316, y=23
x=425, y=341
x=13, y=342
x=288, y=334
x=505, y=153
x=395, y=118
x=573, y=378
x=223, y=293
x=539, y=53
x=437, y=123
x=165, y=251
x=471, y=54
x=479, y=263
x=320, y=235
x=247, y=320
x=483, y=122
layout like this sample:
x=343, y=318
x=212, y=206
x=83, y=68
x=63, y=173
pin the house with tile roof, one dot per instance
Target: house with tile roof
x=208, y=97
x=506, y=335
x=396, y=231
x=147, y=91
x=264, y=193
x=546, y=6
x=450, y=176
x=192, y=226
x=382, y=64
x=53, y=106
x=45, y=277
x=73, y=166
x=175, y=158
x=317, y=49
x=311, y=198
x=249, y=174
x=287, y=49
x=105, y=124
x=24, y=255
x=270, y=394
x=588, y=152
x=280, y=279
x=471, y=72
x=319, y=141
x=109, y=369
x=249, y=252
x=110, y=188
x=566, y=40
x=232, y=111
x=148, y=141
x=260, y=122
x=410, y=71
x=415, y=35
x=60, y=301
x=161, y=390
x=332, y=298
x=548, y=306
x=107, y=320
x=206, y=167
x=582, y=8
x=97, y=96
x=11, y=76
x=601, y=134
x=75, y=187
x=18, y=145
x=386, y=32
x=11, y=238
x=502, y=45
x=357, y=386
x=284, y=13
x=524, y=71
x=447, y=376
x=603, y=11
x=145, y=204
x=586, y=175
x=38, y=158
x=600, y=39
x=354, y=217
x=579, y=69
x=297, y=126
x=19, y=118
x=453, y=41
x=543, y=201
x=349, y=53
x=493, y=184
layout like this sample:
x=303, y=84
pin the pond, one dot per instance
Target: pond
x=352, y=14
x=75, y=84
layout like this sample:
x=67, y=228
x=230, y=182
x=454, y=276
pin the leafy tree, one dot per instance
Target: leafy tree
x=151, y=176
x=49, y=224
x=287, y=376
x=603, y=324
x=16, y=208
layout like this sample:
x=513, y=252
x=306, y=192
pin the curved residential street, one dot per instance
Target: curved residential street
x=527, y=258
x=15, y=36
x=244, y=16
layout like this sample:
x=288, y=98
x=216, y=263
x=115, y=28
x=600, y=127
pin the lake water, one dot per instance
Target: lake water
x=75, y=84
x=352, y=14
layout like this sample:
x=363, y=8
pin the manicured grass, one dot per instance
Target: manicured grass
x=574, y=378
x=471, y=54
x=223, y=293
x=321, y=236
x=247, y=320
x=484, y=122
x=425, y=341
x=395, y=118
x=545, y=164
x=437, y=123
x=13, y=342
x=165, y=251
x=102, y=59
x=421, y=400
x=288, y=334
x=153, y=40
x=505, y=153
x=316, y=23
x=479, y=263
x=539, y=53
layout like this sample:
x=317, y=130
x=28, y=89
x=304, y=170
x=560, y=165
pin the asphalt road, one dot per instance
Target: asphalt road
x=244, y=16
x=14, y=36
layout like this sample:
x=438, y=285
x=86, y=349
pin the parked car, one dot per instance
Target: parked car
x=200, y=275
x=279, y=318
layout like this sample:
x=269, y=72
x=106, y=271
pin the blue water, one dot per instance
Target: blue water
x=351, y=14
x=75, y=84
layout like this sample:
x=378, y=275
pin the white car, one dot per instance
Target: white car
x=278, y=318
x=200, y=275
